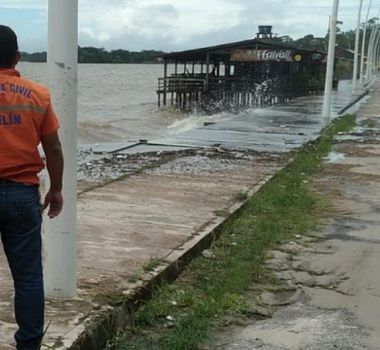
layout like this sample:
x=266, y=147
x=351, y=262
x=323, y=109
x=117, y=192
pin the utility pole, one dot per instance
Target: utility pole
x=377, y=57
x=378, y=48
x=330, y=64
x=356, y=57
x=370, y=53
x=60, y=233
x=364, y=43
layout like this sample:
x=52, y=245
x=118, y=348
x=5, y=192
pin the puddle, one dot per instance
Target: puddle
x=334, y=157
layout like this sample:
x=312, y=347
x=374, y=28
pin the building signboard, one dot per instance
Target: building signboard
x=266, y=55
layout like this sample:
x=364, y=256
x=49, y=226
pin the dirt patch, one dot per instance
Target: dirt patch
x=101, y=170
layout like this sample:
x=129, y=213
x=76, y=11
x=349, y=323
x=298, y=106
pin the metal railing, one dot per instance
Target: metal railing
x=191, y=83
x=174, y=84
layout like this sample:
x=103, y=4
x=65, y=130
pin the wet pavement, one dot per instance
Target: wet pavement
x=328, y=289
x=261, y=130
x=274, y=130
x=175, y=195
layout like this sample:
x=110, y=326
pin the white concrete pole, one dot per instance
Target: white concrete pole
x=374, y=49
x=375, y=54
x=371, y=52
x=364, y=43
x=377, y=57
x=356, y=57
x=330, y=64
x=60, y=233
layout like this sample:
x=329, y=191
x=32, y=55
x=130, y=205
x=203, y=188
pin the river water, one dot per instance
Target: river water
x=118, y=102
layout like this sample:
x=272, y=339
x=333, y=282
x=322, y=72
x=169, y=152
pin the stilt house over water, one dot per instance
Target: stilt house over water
x=250, y=73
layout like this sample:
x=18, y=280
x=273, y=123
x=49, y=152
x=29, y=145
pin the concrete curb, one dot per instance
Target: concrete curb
x=355, y=101
x=108, y=320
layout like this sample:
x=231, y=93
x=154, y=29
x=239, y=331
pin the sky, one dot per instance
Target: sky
x=172, y=25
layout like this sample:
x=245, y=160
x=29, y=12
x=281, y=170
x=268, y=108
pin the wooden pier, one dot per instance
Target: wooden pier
x=251, y=73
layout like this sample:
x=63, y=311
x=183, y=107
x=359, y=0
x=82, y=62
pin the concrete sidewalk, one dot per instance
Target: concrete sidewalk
x=332, y=276
x=148, y=220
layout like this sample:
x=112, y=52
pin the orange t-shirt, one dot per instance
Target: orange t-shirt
x=26, y=114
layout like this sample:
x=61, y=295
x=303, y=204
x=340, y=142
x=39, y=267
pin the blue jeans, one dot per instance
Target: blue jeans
x=20, y=229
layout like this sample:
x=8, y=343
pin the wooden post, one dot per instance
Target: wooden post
x=193, y=68
x=165, y=77
x=173, y=87
x=176, y=84
x=227, y=70
x=207, y=70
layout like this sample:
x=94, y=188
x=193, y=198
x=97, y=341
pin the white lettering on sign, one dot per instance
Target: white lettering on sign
x=263, y=55
x=272, y=55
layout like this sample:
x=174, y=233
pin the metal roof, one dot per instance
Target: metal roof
x=225, y=49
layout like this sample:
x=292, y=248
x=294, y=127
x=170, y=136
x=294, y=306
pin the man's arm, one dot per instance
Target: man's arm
x=54, y=164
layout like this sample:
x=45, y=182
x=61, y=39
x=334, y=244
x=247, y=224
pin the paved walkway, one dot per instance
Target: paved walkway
x=332, y=277
x=156, y=214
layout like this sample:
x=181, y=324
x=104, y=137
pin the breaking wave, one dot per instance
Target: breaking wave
x=193, y=121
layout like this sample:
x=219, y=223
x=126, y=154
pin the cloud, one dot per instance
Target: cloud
x=175, y=24
x=180, y=24
x=177, y=20
x=24, y=4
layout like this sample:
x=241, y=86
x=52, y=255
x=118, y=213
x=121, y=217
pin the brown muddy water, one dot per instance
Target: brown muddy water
x=118, y=102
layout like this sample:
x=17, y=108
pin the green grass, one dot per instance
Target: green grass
x=151, y=264
x=241, y=196
x=134, y=278
x=181, y=315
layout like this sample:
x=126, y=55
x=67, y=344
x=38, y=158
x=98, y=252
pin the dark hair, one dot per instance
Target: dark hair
x=8, y=46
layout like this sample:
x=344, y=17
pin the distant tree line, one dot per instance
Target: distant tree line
x=345, y=40
x=33, y=57
x=100, y=55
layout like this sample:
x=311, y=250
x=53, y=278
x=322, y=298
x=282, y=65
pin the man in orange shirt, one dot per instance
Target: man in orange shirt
x=26, y=120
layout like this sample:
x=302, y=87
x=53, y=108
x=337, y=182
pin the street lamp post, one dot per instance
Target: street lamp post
x=369, y=52
x=60, y=233
x=364, y=43
x=377, y=56
x=356, y=57
x=330, y=64
x=372, y=46
x=374, y=53
x=378, y=48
